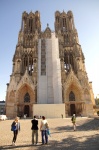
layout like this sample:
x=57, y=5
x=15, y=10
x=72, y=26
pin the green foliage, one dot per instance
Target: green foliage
x=97, y=101
x=98, y=113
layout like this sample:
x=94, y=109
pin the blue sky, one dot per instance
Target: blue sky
x=86, y=18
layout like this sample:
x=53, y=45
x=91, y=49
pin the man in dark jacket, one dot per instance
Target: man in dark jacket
x=34, y=130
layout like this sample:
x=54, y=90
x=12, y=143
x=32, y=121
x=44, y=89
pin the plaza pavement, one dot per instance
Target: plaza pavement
x=62, y=135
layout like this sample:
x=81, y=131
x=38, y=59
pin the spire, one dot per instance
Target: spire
x=47, y=25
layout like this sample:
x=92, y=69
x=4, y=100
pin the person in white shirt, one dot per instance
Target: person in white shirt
x=43, y=129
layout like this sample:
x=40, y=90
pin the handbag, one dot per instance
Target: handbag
x=48, y=132
x=13, y=126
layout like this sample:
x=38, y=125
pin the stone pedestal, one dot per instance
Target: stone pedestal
x=49, y=110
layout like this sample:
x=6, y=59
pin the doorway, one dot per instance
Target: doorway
x=72, y=109
x=26, y=110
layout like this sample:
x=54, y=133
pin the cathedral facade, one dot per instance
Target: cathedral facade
x=49, y=68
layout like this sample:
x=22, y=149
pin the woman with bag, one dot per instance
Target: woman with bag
x=15, y=127
x=43, y=128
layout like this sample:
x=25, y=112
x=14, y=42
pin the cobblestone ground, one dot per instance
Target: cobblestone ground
x=62, y=135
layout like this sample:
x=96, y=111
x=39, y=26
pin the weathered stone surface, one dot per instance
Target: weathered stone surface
x=72, y=86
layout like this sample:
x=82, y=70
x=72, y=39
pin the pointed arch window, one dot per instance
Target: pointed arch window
x=71, y=96
x=66, y=61
x=64, y=22
x=30, y=24
x=31, y=65
x=27, y=98
x=25, y=61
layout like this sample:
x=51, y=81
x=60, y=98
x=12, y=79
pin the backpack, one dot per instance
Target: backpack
x=73, y=119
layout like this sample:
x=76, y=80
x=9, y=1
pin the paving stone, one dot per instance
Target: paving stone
x=62, y=135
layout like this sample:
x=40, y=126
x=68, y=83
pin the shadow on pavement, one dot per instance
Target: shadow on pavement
x=92, y=124
x=8, y=147
x=70, y=143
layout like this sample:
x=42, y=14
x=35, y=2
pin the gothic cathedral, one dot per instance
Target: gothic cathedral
x=29, y=60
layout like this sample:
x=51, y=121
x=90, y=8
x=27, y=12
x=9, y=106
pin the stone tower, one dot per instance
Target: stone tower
x=22, y=91
x=77, y=90
x=24, y=88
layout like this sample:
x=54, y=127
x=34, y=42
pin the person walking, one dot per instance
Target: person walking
x=34, y=130
x=15, y=127
x=43, y=128
x=73, y=119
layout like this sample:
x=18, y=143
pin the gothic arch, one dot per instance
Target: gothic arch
x=22, y=92
x=76, y=92
x=72, y=84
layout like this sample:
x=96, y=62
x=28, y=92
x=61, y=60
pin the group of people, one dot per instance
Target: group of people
x=44, y=128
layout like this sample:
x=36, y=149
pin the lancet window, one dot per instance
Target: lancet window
x=28, y=63
x=30, y=24
x=69, y=61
